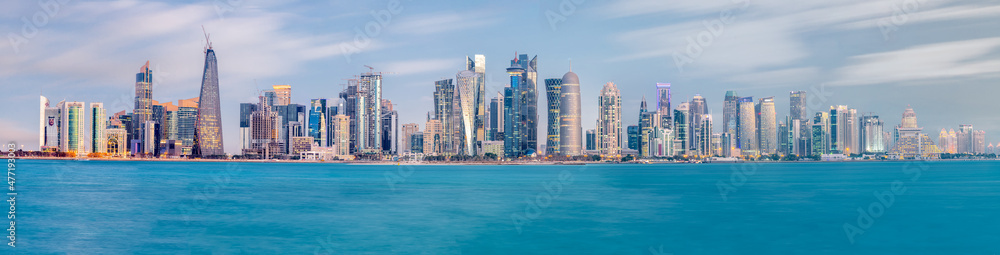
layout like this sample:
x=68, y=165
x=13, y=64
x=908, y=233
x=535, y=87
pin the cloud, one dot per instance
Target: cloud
x=422, y=66
x=957, y=59
x=436, y=23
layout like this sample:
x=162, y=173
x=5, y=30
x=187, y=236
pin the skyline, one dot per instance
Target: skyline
x=82, y=74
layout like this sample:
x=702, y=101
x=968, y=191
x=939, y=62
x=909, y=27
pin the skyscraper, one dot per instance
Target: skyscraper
x=341, y=134
x=444, y=100
x=912, y=143
x=570, y=128
x=871, y=133
x=591, y=140
x=497, y=117
x=282, y=95
x=389, y=129
x=730, y=115
x=682, y=137
x=98, y=122
x=609, y=120
x=208, y=125
x=766, y=130
x=406, y=134
x=318, y=120
x=553, y=88
x=478, y=65
x=516, y=140
x=663, y=103
x=143, y=110
x=51, y=126
x=821, y=134
x=697, y=109
x=633, y=137
x=371, y=87
x=465, y=96
x=799, y=116
x=73, y=127
x=747, y=127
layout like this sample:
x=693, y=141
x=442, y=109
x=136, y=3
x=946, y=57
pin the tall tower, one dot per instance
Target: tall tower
x=478, y=65
x=766, y=126
x=663, y=103
x=208, y=125
x=98, y=123
x=73, y=127
x=747, y=127
x=514, y=101
x=570, y=129
x=371, y=85
x=465, y=95
x=553, y=87
x=609, y=121
x=143, y=110
x=697, y=109
x=730, y=115
x=800, y=138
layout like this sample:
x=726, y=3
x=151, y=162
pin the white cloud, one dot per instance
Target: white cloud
x=422, y=66
x=435, y=23
x=958, y=59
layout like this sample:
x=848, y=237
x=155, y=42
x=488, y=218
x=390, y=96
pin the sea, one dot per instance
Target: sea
x=158, y=207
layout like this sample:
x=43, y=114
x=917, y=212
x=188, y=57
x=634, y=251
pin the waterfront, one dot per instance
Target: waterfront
x=100, y=207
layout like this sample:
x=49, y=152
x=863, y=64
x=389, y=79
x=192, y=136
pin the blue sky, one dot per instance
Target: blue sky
x=879, y=56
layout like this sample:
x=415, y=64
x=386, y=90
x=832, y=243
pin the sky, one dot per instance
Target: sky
x=940, y=57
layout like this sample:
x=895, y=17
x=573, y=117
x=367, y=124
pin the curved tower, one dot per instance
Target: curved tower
x=466, y=88
x=208, y=125
x=570, y=130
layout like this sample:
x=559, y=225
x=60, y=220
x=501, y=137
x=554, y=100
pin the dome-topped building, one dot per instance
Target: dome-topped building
x=570, y=129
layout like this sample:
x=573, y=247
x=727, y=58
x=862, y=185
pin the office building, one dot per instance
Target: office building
x=609, y=121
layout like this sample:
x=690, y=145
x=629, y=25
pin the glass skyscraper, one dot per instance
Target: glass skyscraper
x=553, y=87
x=208, y=124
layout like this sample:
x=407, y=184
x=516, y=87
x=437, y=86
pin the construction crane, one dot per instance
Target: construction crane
x=208, y=43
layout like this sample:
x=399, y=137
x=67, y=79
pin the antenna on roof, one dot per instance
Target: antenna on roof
x=208, y=43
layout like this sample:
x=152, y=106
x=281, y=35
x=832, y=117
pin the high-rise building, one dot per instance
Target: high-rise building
x=697, y=109
x=843, y=129
x=143, y=110
x=682, y=137
x=730, y=115
x=704, y=136
x=570, y=127
x=767, y=132
x=478, y=65
x=208, y=125
x=98, y=122
x=416, y=142
x=591, y=140
x=465, y=114
x=747, y=127
x=912, y=143
x=318, y=120
x=433, y=137
x=979, y=142
x=553, y=87
x=965, y=139
x=341, y=126
x=73, y=127
x=282, y=95
x=246, y=109
x=371, y=85
x=406, y=134
x=514, y=101
x=444, y=105
x=633, y=137
x=821, y=134
x=389, y=129
x=496, y=117
x=663, y=104
x=800, y=137
x=871, y=135
x=51, y=126
x=265, y=131
x=609, y=120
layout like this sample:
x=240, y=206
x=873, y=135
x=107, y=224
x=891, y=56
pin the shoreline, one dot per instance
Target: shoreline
x=481, y=163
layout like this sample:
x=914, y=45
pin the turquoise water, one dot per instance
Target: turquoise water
x=98, y=207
